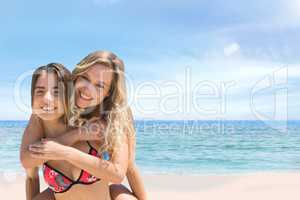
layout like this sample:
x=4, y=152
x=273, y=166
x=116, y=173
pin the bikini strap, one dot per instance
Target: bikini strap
x=90, y=145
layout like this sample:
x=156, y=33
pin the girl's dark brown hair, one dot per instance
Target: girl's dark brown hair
x=64, y=78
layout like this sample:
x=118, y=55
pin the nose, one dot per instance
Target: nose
x=87, y=90
x=48, y=97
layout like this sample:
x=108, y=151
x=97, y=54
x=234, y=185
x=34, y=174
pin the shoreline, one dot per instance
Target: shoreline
x=258, y=185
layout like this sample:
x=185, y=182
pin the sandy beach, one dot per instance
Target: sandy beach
x=267, y=185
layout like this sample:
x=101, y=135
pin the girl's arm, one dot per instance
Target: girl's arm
x=32, y=183
x=33, y=187
x=32, y=133
x=45, y=195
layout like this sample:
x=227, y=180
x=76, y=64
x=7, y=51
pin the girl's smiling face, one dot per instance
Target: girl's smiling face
x=92, y=86
x=47, y=97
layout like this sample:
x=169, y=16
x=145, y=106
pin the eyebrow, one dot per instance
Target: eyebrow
x=88, y=78
x=39, y=87
x=85, y=77
x=102, y=82
x=42, y=87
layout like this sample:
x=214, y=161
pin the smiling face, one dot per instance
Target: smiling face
x=100, y=92
x=92, y=86
x=47, y=97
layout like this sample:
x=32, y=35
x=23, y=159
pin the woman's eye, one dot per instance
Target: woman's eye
x=100, y=86
x=80, y=78
x=83, y=78
x=56, y=92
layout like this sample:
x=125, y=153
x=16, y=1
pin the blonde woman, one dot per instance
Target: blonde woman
x=100, y=94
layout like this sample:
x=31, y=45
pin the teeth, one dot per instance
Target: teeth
x=84, y=96
x=48, y=109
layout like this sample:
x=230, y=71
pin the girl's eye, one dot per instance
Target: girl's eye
x=39, y=92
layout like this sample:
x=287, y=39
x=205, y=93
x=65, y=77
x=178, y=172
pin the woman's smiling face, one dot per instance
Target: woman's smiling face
x=47, y=97
x=92, y=86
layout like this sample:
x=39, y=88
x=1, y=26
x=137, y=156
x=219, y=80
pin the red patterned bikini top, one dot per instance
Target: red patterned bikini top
x=59, y=182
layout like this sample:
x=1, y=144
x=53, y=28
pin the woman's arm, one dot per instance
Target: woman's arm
x=136, y=184
x=34, y=133
x=90, y=131
x=113, y=170
x=133, y=176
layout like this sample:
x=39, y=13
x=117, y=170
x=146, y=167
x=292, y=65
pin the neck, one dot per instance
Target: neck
x=51, y=125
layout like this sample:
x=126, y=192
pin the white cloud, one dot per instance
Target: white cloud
x=231, y=49
x=293, y=8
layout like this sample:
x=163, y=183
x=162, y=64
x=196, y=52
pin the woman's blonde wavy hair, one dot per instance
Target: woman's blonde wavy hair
x=114, y=108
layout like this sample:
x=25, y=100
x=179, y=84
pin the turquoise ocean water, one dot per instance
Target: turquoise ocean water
x=193, y=147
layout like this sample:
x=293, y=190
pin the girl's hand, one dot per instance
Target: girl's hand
x=48, y=150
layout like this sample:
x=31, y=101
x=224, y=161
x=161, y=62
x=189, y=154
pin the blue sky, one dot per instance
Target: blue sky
x=217, y=42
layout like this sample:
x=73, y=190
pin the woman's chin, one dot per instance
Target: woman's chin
x=81, y=104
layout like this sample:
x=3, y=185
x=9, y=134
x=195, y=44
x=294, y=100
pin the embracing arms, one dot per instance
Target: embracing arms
x=35, y=152
x=113, y=170
x=34, y=133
